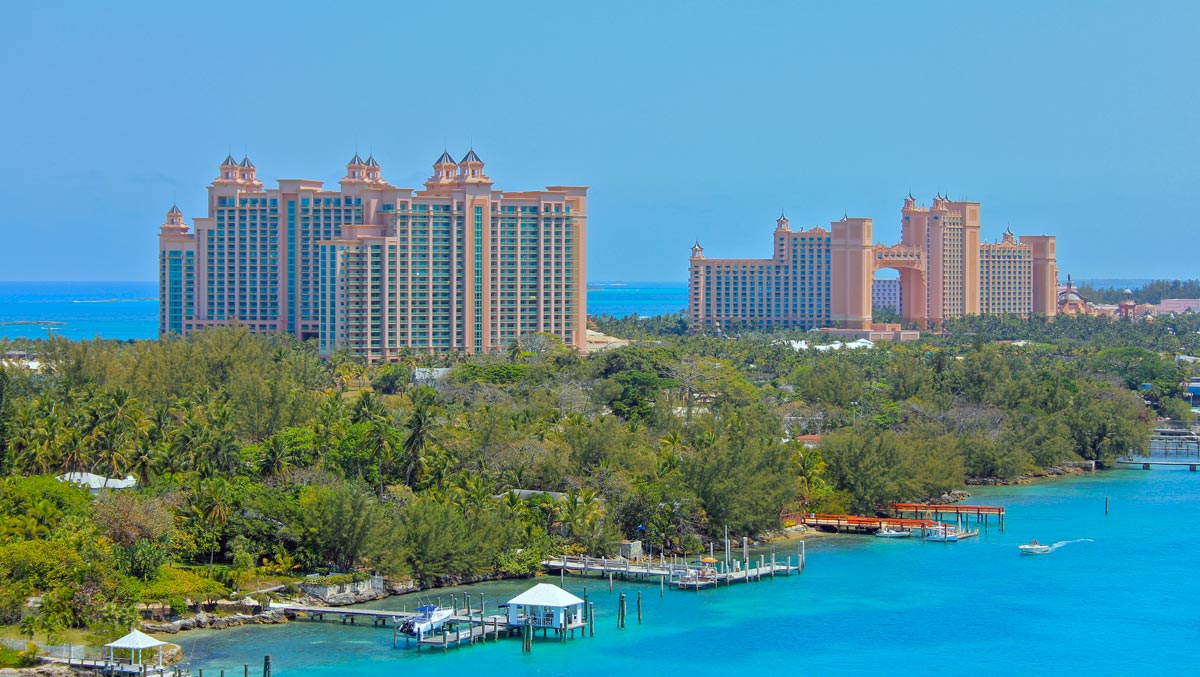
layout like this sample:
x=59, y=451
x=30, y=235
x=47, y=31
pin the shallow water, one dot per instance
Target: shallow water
x=1123, y=601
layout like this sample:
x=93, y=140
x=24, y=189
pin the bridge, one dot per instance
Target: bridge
x=1147, y=462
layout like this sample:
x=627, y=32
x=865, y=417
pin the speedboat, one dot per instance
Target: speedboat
x=1034, y=548
x=889, y=532
x=429, y=618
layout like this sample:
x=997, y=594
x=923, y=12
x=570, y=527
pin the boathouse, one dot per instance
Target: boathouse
x=546, y=606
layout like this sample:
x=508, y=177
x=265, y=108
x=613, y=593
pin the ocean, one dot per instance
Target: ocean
x=1118, y=596
x=129, y=310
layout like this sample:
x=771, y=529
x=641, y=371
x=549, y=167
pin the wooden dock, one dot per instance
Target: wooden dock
x=466, y=626
x=961, y=512
x=468, y=632
x=376, y=616
x=678, y=573
x=856, y=523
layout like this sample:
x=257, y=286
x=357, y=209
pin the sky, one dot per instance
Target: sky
x=688, y=120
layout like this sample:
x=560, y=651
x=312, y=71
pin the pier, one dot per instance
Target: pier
x=857, y=524
x=1147, y=462
x=465, y=626
x=679, y=573
x=981, y=513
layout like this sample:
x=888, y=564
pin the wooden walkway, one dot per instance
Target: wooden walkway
x=679, y=574
x=120, y=668
x=465, y=632
x=856, y=523
x=981, y=513
x=377, y=616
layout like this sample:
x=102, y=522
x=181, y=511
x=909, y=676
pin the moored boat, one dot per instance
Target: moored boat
x=943, y=533
x=890, y=532
x=428, y=619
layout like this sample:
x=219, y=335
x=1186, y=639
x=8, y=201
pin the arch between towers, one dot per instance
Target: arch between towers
x=913, y=286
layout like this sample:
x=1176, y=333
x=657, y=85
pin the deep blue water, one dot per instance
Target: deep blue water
x=129, y=310
x=1123, y=602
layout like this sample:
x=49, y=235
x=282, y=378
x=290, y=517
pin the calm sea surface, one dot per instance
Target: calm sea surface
x=1119, y=596
x=129, y=310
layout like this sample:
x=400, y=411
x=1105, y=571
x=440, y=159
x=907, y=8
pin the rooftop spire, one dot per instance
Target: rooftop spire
x=471, y=157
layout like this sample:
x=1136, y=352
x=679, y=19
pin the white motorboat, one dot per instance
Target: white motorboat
x=1034, y=548
x=942, y=533
x=429, y=618
x=890, y=532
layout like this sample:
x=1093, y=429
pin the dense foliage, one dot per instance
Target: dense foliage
x=255, y=458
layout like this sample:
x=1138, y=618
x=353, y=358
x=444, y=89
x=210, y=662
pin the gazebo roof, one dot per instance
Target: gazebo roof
x=136, y=639
x=546, y=594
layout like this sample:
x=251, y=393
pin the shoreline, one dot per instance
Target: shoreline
x=269, y=616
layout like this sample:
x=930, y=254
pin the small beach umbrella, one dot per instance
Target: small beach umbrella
x=709, y=560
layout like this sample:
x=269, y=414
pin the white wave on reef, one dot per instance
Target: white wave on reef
x=138, y=300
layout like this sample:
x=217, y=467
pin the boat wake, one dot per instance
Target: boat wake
x=1060, y=544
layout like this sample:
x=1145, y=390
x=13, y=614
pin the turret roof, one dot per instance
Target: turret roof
x=229, y=160
x=445, y=158
x=356, y=160
x=174, y=211
x=246, y=162
x=371, y=161
x=471, y=157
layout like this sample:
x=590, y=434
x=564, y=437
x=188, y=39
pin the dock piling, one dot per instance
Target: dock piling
x=267, y=665
x=639, y=607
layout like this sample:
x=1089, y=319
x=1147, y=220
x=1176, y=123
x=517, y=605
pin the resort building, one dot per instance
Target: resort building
x=825, y=278
x=790, y=289
x=1006, y=277
x=373, y=268
x=885, y=293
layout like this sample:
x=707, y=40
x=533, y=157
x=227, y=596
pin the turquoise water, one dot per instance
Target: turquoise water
x=85, y=310
x=129, y=310
x=1124, y=601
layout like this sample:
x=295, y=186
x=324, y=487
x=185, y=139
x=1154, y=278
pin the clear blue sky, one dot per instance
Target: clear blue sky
x=688, y=120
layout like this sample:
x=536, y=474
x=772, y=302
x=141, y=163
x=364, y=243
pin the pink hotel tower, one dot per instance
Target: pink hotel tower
x=374, y=268
x=823, y=278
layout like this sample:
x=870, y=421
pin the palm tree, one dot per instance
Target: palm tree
x=473, y=492
x=214, y=505
x=380, y=439
x=367, y=407
x=329, y=425
x=580, y=510
x=276, y=457
x=420, y=435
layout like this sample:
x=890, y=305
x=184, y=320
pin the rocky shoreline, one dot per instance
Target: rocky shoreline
x=1049, y=472
x=204, y=620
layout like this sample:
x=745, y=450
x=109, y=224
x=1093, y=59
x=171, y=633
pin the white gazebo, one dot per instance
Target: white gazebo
x=136, y=642
x=546, y=605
